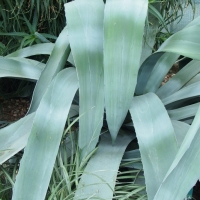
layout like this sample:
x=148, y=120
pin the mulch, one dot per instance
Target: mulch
x=13, y=109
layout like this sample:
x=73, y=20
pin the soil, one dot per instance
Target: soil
x=171, y=73
x=13, y=109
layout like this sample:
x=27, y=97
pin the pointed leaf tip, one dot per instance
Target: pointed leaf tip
x=124, y=23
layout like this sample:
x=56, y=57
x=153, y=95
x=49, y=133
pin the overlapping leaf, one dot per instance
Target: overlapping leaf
x=14, y=68
x=193, y=80
x=123, y=30
x=85, y=25
x=192, y=90
x=184, y=112
x=181, y=130
x=160, y=71
x=185, y=42
x=13, y=138
x=37, y=49
x=55, y=63
x=151, y=126
x=145, y=71
x=28, y=61
x=184, y=167
x=179, y=80
x=45, y=137
x=99, y=177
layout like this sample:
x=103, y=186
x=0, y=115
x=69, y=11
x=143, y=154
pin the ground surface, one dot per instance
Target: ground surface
x=13, y=109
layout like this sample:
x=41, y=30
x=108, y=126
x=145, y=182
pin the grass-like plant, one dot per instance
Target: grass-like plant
x=105, y=41
x=24, y=23
x=50, y=13
x=67, y=172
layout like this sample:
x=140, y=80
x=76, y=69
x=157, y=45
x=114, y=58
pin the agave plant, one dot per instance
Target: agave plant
x=105, y=41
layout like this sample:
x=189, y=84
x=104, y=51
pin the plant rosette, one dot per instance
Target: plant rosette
x=105, y=41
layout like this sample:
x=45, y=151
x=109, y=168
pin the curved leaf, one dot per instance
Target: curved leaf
x=184, y=168
x=160, y=70
x=151, y=126
x=183, y=112
x=193, y=80
x=186, y=174
x=181, y=130
x=134, y=158
x=145, y=72
x=179, y=80
x=187, y=140
x=124, y=22
x=185, y=42
x=13, y=138
x=36, y=49
x=14, y=68
x=85, y=21
x=99, y=177
x=55, y=63
x=45, y=136
x=186, y=92
x=37, y=64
